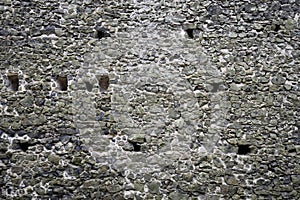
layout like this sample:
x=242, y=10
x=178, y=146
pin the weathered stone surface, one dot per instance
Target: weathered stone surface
x=157, y=99
x=139, y=138
x=54, y=159
x=177, y=196
x=90, y=184
x=154, y=187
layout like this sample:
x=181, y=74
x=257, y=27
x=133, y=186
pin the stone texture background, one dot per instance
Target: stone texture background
x=202, y=103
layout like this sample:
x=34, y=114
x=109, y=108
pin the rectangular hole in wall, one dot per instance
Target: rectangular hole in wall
x=62, y=82
x=13, y=81
x=103, y=81
x=243, y=149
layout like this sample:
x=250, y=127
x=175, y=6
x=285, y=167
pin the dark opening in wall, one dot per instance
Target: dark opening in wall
x=136, y=146
x=105, y=131
x=190, y=33
x=277, y=27
x=292, y=151
x=102, y=32
x=62, y=82
x=20, y=145
x=13, y=80
x=24, y=146
x=243, y=149
x=103, y=81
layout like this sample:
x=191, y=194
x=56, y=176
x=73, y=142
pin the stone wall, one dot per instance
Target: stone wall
x=151, y=99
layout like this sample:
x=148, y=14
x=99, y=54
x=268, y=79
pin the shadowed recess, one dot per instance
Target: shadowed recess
x=62, y=82
x=190, y=32
x=103, y=81
x=24, y=146
x=13, y=81
x=136, y=146
x=277, y=28
x=102, y=32
x=243, y=149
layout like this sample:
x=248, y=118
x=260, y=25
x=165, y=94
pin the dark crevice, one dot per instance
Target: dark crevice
x=62, y=82
x=21, y=145
x=136, y=146
x=292, y=151
x=243, y=149
x=103, y=81
x=24, y=146
x=13, y=81
x=190, y=33
x=277, y=28
x=102, y=32
x=106, y=131
x=198, y=88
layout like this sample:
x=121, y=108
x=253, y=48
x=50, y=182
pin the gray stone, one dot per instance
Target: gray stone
x=139, y=186
x=113, y=188
x=174, y=114
x=188, y=82
x=90, y=184
x=154, y=187
x=231, y=180
x=27, y=102
x=54, y=158
x=178, y=196
x=138, y=138
x=278, y=80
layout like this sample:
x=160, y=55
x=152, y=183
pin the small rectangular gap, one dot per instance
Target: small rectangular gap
x=190, y=32
x=244, y=149
x=62, y=82
x=13, y=81
x=103, y=81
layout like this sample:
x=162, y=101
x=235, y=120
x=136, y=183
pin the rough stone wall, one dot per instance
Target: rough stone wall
x=202, y=99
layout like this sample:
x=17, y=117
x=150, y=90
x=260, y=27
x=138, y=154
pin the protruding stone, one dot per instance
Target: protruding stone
x=139, y=138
